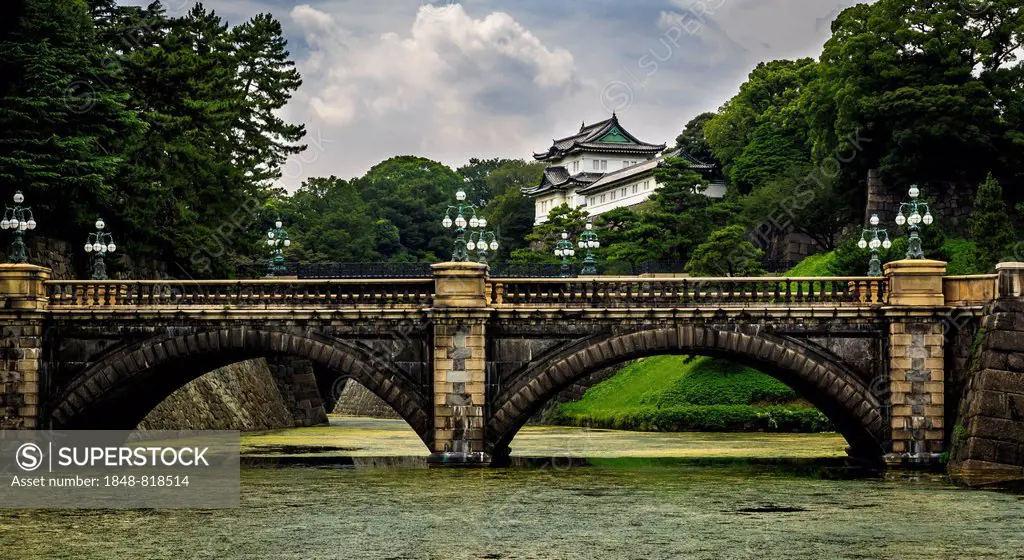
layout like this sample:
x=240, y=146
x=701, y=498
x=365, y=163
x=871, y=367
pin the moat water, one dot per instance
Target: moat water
x=360, y=489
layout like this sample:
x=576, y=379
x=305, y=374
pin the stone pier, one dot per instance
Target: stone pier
x=23, y=306
x=916, y=361
x=460, y=315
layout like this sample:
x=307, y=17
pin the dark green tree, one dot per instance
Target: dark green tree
x=267, y=78
x=476, y=173
x=694, y=140
x=804, y=200
x=991, y=228
x=331, y=223
x=727, y=252
x=544, y=237
x=411, y=194
x=63, y=118
x=509, y=213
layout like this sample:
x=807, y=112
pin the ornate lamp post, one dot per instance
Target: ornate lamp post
x=915, y=219
x=277, y=239
x=461, y=254
x=874, y=237
x=20, y=219
x=482, y=241
x=99, y=244
x=589, y=241
x=564, y=249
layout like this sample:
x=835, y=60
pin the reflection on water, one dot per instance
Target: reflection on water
x=638, y=506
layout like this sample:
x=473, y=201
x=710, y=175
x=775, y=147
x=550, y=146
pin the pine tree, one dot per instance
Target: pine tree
x=990, y=224
x=268, y=79
x=62, y=116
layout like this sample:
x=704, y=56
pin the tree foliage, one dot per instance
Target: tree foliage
x=990, y=225
x=727, y=252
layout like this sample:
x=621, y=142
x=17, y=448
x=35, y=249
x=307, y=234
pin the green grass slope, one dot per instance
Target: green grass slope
x=679, y=393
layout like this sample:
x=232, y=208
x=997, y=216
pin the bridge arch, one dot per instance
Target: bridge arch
x=120, y=388
x=857, y=413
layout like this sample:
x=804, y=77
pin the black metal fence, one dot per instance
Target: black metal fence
x=325, y=271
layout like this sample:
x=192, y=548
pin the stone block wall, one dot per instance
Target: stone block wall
x=297, y=385
x=988, y=439
x=356, y=400
x=20, y=350
x=240, y=396
x=916, y=373
x=69, y=262
x=952, y=203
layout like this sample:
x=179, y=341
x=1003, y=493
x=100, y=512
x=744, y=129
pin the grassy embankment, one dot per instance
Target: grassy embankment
x=680, y=393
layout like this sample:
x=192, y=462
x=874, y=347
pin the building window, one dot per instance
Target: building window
x=591, y=203
x=623, y=195
x=602, y=199
x=600, y=165
x=613, y=195
x=634, y=189
x=647, y=185
x=575, y=166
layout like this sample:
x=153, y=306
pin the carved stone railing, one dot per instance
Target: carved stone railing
x=606, y=292
x=227, y=294
x=970, y=290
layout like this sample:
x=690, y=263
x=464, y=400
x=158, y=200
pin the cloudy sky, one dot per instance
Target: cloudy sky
x=454, y=79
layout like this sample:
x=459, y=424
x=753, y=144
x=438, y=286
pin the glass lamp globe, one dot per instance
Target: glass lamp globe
x=494, y=245
x=572, y=252
x=460, y=221
x=471, y=246
x=914, y=191
x=592, y=244
x=446, y=222
x=31, y=224
x=111, y=248
x=100, y=224
x=278, y=224
x=590, y=226
x=565, y=235
x=914, y=219
x=287, y=242
x=23, y=225
x=558, y=252
x=597, y=244
x=875, y=243
x=901, y=219
x=270, y=242
x=582, y=244
x=874, y=219
x=4, y=224
x=97, y=247
x=18, y=197
x=474, y=222
x=483, y=222
x=461, y=195
x=886, y=244
x=270, y=234
x=862, y=244
x=88, y=247
x=928, y=219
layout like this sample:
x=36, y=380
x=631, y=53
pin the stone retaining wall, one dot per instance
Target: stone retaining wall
x=356, y=400
x=240, y=396
x=988, y=440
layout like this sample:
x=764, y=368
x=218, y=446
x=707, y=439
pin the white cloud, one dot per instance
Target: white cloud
x=449, y=87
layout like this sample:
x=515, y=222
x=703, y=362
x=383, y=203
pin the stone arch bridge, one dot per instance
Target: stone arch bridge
x=466, y=359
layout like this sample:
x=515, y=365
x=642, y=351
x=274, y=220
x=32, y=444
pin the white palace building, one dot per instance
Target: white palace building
x=602, y=167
